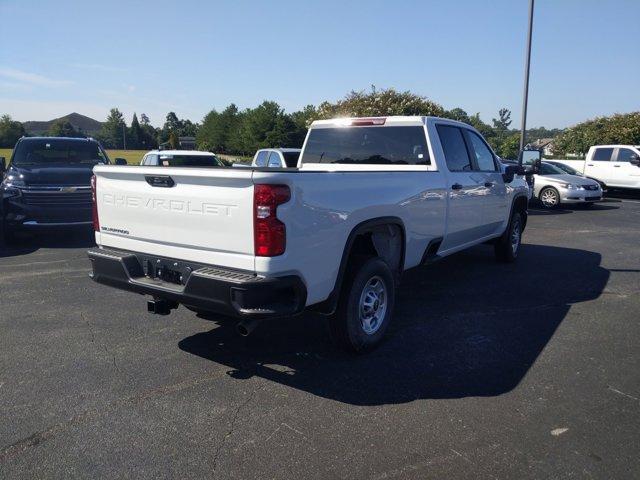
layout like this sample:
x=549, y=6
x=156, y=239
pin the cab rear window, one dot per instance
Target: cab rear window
x=404, y=145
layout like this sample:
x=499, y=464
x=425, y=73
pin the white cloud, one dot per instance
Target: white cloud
x=97, y=66
x=31, y=78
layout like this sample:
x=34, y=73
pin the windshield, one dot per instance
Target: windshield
x=367, y=145
x=189, y=161
x=548, y=169
x=56, y=152
x=566, y=168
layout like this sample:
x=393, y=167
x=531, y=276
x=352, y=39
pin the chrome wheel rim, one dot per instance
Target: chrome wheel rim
x=549, y=198
x=515, y=237
x=373, y=305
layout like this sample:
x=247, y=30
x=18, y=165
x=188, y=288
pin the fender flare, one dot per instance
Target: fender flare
x=329, y=305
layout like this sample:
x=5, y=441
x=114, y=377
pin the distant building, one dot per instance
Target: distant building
x=543, y=144
x=184, y=143
x=187, y=143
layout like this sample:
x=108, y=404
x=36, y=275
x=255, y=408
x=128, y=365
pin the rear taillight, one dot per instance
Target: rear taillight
x=269, y=233
x=94, y=204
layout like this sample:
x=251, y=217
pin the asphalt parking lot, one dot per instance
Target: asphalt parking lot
x=529, y=370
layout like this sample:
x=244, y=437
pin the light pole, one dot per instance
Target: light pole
x=124, y=136
x=525, y=94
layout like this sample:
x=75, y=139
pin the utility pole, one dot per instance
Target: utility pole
x=525, y=94
x=124, y=136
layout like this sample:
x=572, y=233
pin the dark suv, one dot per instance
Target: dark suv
x=48, y=183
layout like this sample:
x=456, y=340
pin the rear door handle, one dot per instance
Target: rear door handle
x=456, y=186
x=589, y=164
x=616, y=166
x=488, y=184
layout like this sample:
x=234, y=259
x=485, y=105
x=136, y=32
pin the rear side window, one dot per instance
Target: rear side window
x=291, y=159
x=367, y=146
x=455, y=150
x=151, y=160
x=603, y=154
x=261, y=158
x=274, y=160
x=483, y=156
x=626, y=155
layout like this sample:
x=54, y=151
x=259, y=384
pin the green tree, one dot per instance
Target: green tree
x=380, y=103
x=112, y=133
x=301, y=121
x=502, y=123
x=459, y=115
x=217, y=128
x=63, y=128
x=616, y=129
x=10, y=131
x=509, y=147
x=264, y=126
x=135, y=137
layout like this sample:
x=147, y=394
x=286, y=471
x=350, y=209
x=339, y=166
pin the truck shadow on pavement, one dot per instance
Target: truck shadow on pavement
x=466, y=326
x=29, y=243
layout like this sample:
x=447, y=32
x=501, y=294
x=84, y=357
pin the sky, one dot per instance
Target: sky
x=63, y=56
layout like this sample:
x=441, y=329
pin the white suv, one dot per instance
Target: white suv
x=276, y=157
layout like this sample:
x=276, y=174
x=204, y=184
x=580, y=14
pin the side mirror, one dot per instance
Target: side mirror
x=635, y=160
x=121, y=161
x=510, y=171
x=3, y=165
x=531, y=160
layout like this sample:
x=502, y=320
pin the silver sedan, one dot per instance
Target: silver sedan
x=554, y=187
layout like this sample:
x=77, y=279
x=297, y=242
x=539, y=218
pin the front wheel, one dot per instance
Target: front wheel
x=508, y=245
x=549, y=197
x=365, y=307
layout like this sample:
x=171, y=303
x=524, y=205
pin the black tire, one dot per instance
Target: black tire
x=546, y=194
x=369, y=281
x=508, y=245
x=7, y=234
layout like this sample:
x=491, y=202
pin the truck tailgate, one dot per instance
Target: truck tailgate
x=200, y=215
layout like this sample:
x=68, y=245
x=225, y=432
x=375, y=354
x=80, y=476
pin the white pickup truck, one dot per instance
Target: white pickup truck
x=615, y=166
x=369, y=199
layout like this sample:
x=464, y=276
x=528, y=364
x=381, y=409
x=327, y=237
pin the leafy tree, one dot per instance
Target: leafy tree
x=380, y=103
x=181, y=128
x=64, y=128
x=10, y=131
x=616, y=129
x=217, y=128
x=502, y=123
x=111, y=134
x=174, y=140
x=144, y=119
x=459, y=115
x=301, y=120
x=135, y=136
x=509, y=147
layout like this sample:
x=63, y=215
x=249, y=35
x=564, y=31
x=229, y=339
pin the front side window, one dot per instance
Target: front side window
x=261, y=158
x=367, y=146
x=603, y=154
x=484, y=157
x=455, y=150
x=274, y=160
x=626, y=155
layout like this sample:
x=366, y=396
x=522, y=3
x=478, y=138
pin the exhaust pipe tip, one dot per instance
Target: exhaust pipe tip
x=245, y=327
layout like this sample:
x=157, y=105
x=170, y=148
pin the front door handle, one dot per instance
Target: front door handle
x=616, y=166
x=589, y=164
x=456, y=186
x=488, y=184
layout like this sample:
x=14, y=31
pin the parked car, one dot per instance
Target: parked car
x=553, y=187
x=47, y=183
x=371, y=198
x=613, y=166
x=180, y=158
x=276, y=157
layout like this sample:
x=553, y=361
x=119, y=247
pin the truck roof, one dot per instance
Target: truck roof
x=393, y=120
x=182, y=152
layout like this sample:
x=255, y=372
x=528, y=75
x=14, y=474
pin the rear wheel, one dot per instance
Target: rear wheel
x=508, y=245
x=549, y=197
x=366, y=305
